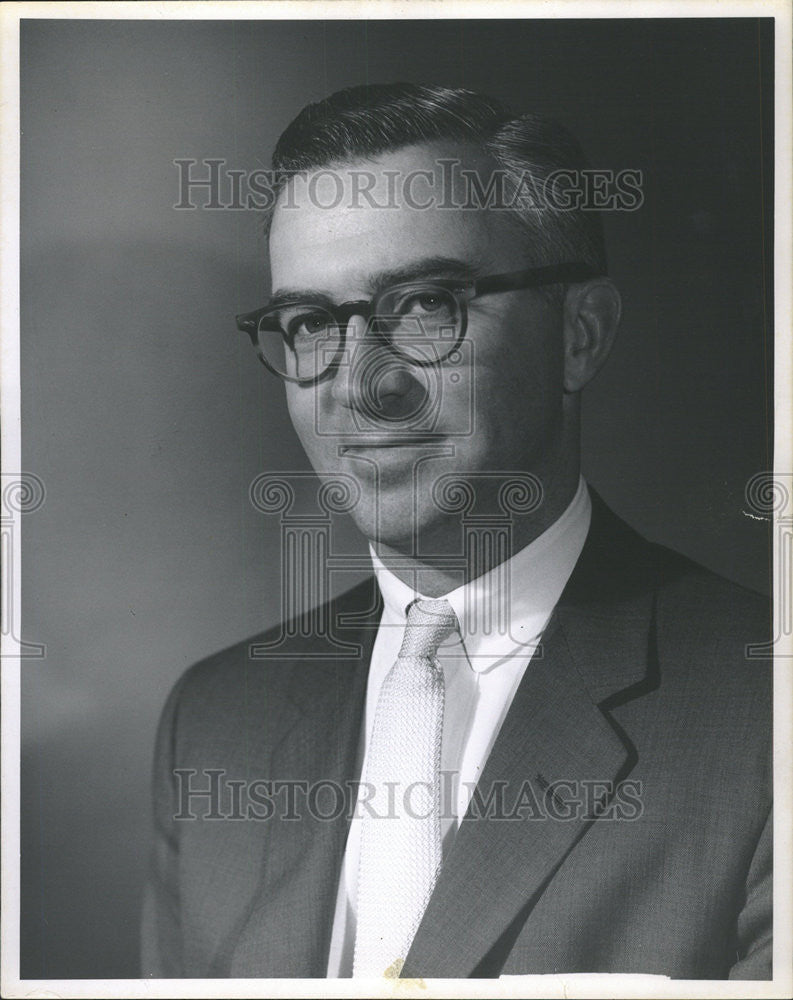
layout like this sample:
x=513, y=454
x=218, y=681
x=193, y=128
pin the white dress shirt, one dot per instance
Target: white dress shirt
x=502, y=615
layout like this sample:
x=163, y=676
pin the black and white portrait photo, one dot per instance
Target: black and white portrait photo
x=397, y=499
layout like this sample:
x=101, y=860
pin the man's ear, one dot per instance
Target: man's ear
x=592, y=313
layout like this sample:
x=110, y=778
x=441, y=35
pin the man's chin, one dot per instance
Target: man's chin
x=399, y=525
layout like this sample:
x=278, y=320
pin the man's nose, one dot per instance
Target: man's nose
x=371, y=378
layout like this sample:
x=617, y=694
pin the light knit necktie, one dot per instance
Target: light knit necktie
x=401, y=833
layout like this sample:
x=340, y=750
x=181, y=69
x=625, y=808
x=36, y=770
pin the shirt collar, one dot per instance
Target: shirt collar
x=506, y=609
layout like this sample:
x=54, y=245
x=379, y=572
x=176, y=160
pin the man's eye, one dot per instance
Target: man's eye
x=426, y=302
x=307, y=326
x=422, y=303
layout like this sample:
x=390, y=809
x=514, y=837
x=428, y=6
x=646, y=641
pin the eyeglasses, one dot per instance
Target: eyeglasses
x=421, y=321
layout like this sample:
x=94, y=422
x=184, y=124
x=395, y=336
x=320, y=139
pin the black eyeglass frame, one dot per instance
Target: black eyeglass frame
x=464, y=291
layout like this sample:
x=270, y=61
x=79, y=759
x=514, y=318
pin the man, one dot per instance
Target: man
x=556, y=747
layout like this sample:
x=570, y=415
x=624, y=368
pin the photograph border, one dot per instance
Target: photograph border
x=16, y=478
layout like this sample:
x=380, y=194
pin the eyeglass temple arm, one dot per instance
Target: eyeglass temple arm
x=536, y=276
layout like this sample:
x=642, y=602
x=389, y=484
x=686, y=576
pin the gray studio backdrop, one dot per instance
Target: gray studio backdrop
x=147, y=416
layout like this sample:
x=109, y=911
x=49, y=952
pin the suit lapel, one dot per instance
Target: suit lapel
x=498, y=866
x=288, y=931
x=594, y=654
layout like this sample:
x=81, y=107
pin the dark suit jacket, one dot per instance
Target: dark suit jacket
x=643, y=679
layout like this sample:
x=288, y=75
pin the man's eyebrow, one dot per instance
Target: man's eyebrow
x=287, y=296
x=424, y=267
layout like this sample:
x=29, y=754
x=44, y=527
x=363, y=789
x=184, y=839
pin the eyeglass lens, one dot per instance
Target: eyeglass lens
x=419, y=322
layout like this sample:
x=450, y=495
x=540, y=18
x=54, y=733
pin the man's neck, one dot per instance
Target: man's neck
x=432, y=576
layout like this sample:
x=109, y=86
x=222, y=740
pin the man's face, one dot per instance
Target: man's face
x=493, y=408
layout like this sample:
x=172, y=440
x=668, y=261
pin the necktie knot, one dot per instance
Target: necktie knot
x=429, y=622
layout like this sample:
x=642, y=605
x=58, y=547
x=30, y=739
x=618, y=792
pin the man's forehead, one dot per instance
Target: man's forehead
x=393, y=176
x=366, y=216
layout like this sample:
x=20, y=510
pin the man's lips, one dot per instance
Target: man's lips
x=391, y=441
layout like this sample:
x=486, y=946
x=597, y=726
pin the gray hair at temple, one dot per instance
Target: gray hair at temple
x=362, y=122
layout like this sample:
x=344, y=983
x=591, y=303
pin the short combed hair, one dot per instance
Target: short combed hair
x=363, y=122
